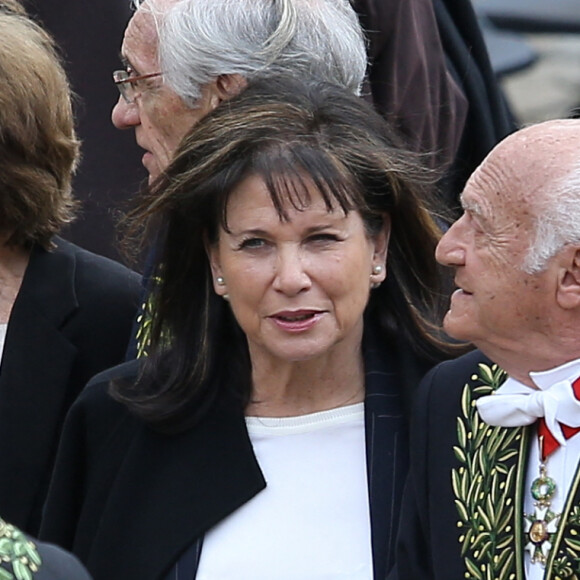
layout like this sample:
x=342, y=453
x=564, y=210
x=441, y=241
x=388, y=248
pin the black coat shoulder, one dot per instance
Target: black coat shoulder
x=100, y=277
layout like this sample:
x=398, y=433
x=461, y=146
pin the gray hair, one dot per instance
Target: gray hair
x=202, y=39
x=557, y=221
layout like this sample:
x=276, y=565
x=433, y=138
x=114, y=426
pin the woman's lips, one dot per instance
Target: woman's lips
x=297, y=321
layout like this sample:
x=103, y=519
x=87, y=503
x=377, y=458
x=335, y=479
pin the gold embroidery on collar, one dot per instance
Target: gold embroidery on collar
x=485, y=484
x=19, y=558
x=564, y=561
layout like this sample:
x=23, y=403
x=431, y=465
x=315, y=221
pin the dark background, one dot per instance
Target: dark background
x=89, y=33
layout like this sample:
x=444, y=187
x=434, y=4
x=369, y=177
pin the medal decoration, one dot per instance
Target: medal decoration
x=542, y=524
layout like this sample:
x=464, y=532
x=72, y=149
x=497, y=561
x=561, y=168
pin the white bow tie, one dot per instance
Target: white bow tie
x=519, y=405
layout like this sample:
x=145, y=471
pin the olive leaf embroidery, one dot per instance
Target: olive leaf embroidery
x=484, y=484
x=566, y=562
x=19, y=558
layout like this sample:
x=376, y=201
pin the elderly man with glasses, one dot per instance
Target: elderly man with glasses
x=184, y=57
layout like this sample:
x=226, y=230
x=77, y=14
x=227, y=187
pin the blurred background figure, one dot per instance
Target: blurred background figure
x=88, y=34
x=65, y=314
x=431, y=77
x=297, y=308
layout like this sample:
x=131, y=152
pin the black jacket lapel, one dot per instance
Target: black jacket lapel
x=36, y=354
x=387, y=451
x=193, y=481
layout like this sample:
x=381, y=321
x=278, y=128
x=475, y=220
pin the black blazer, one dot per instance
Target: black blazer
x=462, y=509
x=71, y=319
x=130, y=502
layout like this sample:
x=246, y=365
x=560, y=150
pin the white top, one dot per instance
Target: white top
x=312, y=520
x=561, y=464
x=3, y=329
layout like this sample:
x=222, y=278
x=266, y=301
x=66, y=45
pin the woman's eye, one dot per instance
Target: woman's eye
x=323, y=238
x=252, y=243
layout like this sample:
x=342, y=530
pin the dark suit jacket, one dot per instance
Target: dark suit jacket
x=131, y=502
x=71, y=319
x=58, y=564
x=462, y=510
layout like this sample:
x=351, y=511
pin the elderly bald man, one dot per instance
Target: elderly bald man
x=494, y=486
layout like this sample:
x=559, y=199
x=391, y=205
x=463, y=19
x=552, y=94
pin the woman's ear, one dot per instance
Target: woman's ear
x=212, y=251
x=380, y=250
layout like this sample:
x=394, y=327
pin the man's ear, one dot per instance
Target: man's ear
x=229, y=85
x=568, y=291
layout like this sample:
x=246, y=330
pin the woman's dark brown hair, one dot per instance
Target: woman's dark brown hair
x=38, y=145
x=281, y=130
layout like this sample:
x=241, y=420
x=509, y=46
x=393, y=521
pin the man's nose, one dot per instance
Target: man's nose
x=450, y=250
x=125, y=115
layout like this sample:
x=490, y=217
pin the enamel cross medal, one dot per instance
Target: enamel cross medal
x=541, y=525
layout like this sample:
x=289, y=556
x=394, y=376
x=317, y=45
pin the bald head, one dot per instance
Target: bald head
x=538, y=168
x=532, y=159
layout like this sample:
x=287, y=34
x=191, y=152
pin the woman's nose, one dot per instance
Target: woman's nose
x=291, y=276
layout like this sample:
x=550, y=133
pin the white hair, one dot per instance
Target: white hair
x=202, y=39
x=557, y=221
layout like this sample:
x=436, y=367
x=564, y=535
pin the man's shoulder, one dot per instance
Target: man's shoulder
x=59, y=565
x=56, y=564
x=448, y=379
x=24, y=557
x=461, y=367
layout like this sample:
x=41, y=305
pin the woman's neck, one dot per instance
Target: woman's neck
x=286, y=389
x=13, y=263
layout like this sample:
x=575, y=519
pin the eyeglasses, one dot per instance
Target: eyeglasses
x=126, y=83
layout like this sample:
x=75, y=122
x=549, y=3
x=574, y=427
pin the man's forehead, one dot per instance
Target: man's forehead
x=543, y=151
x=155, y=5
x=140, y=41
x=527, y=162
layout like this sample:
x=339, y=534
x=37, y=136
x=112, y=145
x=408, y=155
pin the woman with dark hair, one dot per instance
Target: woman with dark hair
x=296, y=306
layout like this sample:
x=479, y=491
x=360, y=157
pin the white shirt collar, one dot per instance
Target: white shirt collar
x=542, y=379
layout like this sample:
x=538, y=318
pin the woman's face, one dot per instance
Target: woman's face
x=298, y=288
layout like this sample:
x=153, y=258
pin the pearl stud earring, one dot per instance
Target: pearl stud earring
x=220, y=281
x=377, y=269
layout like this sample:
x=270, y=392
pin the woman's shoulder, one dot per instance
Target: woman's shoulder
x=95, y=398
x=93, y=271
